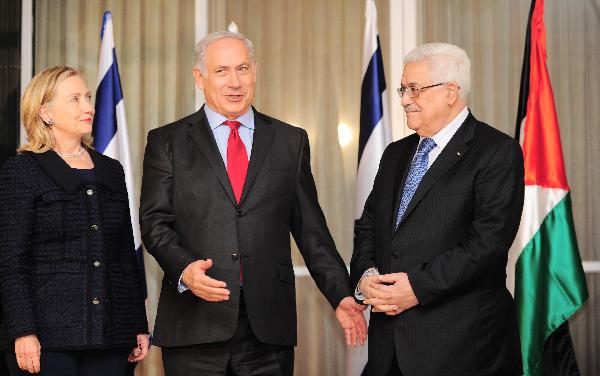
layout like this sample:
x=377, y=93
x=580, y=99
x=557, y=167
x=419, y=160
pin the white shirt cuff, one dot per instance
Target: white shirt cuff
x=181, y=286
x=357, y=293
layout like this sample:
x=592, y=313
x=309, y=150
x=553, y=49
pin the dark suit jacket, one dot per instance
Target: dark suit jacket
x=188, y=212
x=453, y=242
x=68, y=269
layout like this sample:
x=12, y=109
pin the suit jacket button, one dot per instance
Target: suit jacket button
x=95, y=301
x=240, y=213
x=396, y=255
x=234, y=256
x=89, y=192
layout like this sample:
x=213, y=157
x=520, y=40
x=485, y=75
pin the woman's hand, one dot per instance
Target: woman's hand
x=28, y=350
x=140, y=352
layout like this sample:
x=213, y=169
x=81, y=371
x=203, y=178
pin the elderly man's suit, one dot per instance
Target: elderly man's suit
x=453, y=243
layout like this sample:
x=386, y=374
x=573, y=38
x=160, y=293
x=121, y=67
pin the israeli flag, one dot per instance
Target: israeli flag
x=375, y=135
x=375, y=129
x=110, y=126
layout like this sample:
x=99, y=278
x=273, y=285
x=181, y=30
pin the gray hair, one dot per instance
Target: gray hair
x=216, y=36
x=447, y=63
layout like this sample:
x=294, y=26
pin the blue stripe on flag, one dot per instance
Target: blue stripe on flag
x=107, y=16
x=108, y=95
x=371, y=105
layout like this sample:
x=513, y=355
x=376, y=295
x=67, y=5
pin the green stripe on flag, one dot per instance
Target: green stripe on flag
x=549, y=283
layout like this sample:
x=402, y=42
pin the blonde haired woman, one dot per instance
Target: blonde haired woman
x=71, y=289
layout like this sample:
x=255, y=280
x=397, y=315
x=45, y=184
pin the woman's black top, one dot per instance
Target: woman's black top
x=87, y=175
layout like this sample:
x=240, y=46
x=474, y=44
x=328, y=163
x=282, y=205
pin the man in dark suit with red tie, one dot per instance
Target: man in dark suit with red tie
x=431, y=246
x=222, y=190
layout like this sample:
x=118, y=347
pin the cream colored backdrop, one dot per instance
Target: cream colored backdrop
x=309, y=55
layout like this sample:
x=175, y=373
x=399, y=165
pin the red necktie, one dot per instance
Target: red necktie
x=237, y=165
x=237, y=159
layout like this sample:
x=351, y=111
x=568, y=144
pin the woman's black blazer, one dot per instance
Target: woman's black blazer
x=68, y=270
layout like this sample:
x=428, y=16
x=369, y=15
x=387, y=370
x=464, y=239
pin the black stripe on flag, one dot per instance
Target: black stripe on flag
x=524, y=89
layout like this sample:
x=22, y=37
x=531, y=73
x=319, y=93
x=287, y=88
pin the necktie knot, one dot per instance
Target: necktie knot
x=426, y=146
x=233, y=124
x=237, y=159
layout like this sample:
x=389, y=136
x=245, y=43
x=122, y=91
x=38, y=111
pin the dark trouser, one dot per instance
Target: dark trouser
x=395, y=370
x=75, y=363
x=242, y=355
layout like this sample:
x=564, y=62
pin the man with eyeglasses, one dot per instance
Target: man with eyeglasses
x=431, y=247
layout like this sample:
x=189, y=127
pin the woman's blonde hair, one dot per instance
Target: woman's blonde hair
x=39, y=92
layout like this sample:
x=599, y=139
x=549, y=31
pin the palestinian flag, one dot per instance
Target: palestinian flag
x=548, y=281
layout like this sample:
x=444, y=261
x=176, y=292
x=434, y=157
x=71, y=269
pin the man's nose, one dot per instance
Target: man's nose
x=234, y=80
x=405, y=100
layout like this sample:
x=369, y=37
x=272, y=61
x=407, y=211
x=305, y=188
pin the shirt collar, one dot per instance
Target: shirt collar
x=445, y=134
x=215, y=119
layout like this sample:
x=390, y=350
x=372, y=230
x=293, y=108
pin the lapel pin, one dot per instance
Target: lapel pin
x=458, y=153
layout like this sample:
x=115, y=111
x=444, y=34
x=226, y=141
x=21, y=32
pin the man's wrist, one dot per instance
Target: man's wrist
x=369, y=272
x=181, y=286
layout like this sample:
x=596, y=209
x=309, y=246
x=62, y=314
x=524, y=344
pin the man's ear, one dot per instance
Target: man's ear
x=254, y=70
x=453, y=93
x=198, y=78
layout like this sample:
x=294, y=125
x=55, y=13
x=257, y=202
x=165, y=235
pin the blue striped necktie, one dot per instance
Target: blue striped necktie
x=418, y=168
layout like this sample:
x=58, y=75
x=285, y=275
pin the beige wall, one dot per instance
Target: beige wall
x=309, y=55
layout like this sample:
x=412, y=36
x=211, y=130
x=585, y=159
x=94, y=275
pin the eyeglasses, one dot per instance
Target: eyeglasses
x=414, y=92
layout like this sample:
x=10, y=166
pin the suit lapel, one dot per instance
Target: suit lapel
x=454, y=151
x=200, y=132
x=64, y=176
x=59, y=171
x=263, y=135
x=103, y=174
